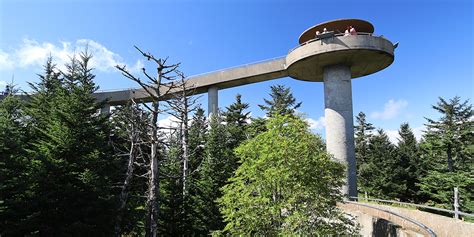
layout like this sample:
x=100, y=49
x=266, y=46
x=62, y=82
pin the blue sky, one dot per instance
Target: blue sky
x=435, y=56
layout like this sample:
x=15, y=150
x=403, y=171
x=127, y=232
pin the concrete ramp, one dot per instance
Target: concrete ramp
x=383, y=220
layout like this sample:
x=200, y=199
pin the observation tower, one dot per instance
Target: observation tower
x=331, y=57
x=335, y=58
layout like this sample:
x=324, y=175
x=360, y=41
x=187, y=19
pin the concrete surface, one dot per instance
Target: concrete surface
x=227, y=78
x=365, y=55
x=213, y=100
x=441, y=225
x=339, y=122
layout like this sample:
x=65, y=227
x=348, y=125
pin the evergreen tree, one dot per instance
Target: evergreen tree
x=282, y=101
x=363, y=133
x=195, y=219
x=14, y=175
x=448, y=151
x=453, y=132
x=379, y=175
x=408, y=161
x=235, y=114
x=257, y=126
x=72, y=163
x=172, y=219
x=236, y=122
x=197, y=138
x=217, y=167
x=286, y=185
x=129, y=134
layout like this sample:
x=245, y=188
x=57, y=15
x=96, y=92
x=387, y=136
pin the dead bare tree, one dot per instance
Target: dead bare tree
x=157, y=88
x=130, y=123
x=181, y=105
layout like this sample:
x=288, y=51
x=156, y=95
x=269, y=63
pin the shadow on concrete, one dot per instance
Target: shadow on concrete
x=384, y=228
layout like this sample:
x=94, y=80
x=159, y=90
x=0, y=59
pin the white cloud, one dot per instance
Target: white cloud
x=5, y=61
x=2, y=85
x=393, y=135
x=316, y=124
x=168, y=122
x=419, y=132
x=33, y=53
x=391, y=109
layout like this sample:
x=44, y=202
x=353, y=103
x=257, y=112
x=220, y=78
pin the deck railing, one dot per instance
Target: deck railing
x=454, y=212
x=335, y=35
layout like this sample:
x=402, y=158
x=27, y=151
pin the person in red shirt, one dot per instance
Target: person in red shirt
x=353, y=31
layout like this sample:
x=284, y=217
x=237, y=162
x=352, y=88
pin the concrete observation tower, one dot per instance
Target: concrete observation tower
x=334, y=59
x=330, y=57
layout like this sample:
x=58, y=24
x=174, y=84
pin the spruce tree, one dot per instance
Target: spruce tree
x=409, y=162
x=363, y=133
x=453, y=131
x=217, y=166
x=377, y=174
x=14, y=166
x=235, y=114
x=447, y=152
x=74, y=168
x=236, y=122
x=282, y=101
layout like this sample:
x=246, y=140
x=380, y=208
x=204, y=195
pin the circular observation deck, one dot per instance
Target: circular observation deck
x=364, y=53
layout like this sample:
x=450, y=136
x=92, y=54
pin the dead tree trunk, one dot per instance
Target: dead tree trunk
x=180, y=106
x=133, y=121
x=152, y=87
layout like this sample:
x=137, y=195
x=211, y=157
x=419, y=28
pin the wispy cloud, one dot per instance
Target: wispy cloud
x=5, y=61
x=391, y=109
x=168, y=124
x=31, y=53
x=318, y=124
x=393, y=135
x=2, y=84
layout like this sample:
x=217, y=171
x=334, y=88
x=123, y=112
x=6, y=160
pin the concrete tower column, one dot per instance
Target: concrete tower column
x=339, y=121
x=105, y=109
x=212, y=100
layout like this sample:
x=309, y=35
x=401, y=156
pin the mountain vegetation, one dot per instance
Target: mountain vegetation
x=67, y=169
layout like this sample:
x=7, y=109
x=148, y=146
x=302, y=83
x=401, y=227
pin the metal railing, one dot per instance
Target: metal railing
x=238, y=66
x=335, y=35
x=415, y=222
x=415, y=205
x=206, y=73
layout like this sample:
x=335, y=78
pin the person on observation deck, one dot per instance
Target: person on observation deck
x=352, y=31
x=346, y=33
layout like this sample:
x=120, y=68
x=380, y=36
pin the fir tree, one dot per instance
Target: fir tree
x=408, y=160
x=14, y=166
x=282, y=101
x=363, y=133
x=447, y=152
x=454, y=131
x=377, y=174
x=73, y=166
x=218, y=165
x=236, y=122
x=235, y=115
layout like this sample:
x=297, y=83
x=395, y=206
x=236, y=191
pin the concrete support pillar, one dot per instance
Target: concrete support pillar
x=212, y=101
x=105, y=109
x=339, y=121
